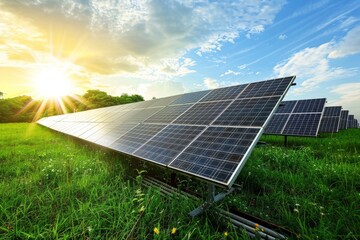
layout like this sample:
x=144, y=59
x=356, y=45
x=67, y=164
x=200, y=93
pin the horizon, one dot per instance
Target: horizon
x=159, y=49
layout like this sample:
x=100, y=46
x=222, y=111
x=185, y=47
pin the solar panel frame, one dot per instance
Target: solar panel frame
x=135, y=138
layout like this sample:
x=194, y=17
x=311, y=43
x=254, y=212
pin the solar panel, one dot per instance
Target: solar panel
x=330, y=121
x=136, y=137
x=168, y=114
x=297, y=118
x=302, y=125
x=248, y=112
x=164, y=147
x=344, y=119
x=190, y=97
x=223, y=93
x=208, y=134
x=202, y=113
x=351, y=121
x=276, y=124
x=216, y=153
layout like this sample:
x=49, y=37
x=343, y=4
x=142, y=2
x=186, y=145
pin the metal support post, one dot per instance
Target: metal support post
x=212, y=198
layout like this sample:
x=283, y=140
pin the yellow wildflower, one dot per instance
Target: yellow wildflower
x=173, y=230
x=156, y=230
x=226, y=234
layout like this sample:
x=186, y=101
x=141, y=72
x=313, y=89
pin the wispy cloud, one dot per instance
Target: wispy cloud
x=312, y=65
x=282, y=36
x=211, y=83
x=230, y=72
x=144, y=30
x=349, y=45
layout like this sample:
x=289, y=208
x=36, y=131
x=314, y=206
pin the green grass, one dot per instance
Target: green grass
x=54, y=187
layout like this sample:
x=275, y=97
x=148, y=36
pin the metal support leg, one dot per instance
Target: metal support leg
x=212, y=198
x=285, y=141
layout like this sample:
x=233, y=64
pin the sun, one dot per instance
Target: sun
x=53, y=82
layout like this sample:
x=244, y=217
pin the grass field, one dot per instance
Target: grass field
x=55, y=187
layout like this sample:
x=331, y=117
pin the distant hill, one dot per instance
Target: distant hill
x=26, y=109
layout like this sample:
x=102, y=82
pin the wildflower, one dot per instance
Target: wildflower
x=156, y=231
x=296, y=210
x=173, y=230
x=89, y=228
x=226, y=233
x=257, y=227
x=322, y=214
x=296, y=204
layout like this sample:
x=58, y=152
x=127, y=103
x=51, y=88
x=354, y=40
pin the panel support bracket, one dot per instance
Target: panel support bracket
x=212, y=198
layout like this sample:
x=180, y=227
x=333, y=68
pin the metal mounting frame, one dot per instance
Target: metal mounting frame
x=212, y=198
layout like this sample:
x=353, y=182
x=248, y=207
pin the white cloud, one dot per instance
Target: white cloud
x=313, y=64
x=230, y=72
x=349, y=97
x=146, y=31
x=282, y=36
x=348, y=22
x=243, y=66
x=349, y=45
x=211, y=83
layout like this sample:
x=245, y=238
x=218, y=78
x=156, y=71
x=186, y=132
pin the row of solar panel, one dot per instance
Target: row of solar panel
x=208, y=134
x=306, y=118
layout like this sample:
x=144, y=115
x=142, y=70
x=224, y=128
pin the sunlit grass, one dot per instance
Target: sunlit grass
x=52, y=186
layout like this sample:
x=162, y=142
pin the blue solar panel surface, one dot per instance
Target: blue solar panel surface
x=297, y=118
x=330, y=121
x=208, y=134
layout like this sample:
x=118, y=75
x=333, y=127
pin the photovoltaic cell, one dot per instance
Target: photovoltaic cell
x=274, y=87
x=303, y=124
x=111, y=133
x=136, y=137
x=168, y=114
x=216, y=153
x=350, y=121
x=331, y=119
x=202, y=113
x=163, y=101
x=179, y=132
x=277, y=123
x=329, y=124
x=190, y=97
x=288, y=119
x=223, y=93
x=286, y=107
x=164, y=147
x=248, y=112
x=344, y=119
x=310, y=106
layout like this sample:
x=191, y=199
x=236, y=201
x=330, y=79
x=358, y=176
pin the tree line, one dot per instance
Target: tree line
x=27, y=109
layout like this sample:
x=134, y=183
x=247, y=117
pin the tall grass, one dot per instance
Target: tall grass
x=54, y=187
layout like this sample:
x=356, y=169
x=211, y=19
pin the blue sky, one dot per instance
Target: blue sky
x=159, y=48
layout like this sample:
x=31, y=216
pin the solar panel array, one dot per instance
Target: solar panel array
x=207, y=134
x=344, y=119
x=297, y=118
x=330, y=121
